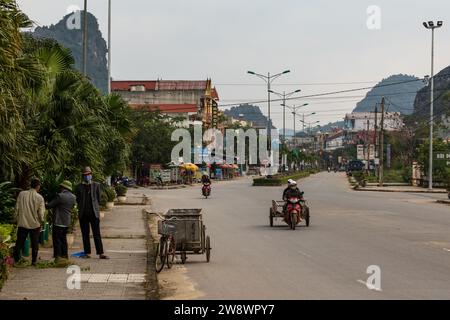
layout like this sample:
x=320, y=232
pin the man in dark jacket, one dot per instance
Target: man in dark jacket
x=291, y=191
x=88, y=201
x=62, y=207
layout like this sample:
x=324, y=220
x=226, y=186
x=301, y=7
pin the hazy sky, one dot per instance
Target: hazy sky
x=321, y=42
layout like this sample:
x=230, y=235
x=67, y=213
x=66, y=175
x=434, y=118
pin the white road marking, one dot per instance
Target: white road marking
x=305, y=254
x=447, y=249
x=368, y=286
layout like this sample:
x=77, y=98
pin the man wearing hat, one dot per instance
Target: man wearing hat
x=88, y=200
x=62, y=207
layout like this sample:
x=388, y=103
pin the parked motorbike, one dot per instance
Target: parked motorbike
x=206, y=190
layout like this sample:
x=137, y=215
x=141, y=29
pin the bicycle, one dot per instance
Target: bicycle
x=165, y=251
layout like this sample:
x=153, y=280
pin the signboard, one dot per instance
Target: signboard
x=443, y=157
x=360, y=152
x=166, y=175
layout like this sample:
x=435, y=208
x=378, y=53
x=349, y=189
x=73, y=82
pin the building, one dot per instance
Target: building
x=334, y=140
x=357, y=121
x=193, y=100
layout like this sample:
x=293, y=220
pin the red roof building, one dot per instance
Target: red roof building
x=172, y=97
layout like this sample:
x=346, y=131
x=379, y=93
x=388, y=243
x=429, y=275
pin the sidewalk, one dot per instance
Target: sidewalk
x=400, y=189
x=123, y=276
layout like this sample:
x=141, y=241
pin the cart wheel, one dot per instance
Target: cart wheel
x=160, y=256
x=307, y=217
x=271, y=217
x=170, y=252
x=183, y=257
x=208, y=249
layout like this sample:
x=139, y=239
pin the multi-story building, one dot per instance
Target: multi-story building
x=192, y=100
x=357, y=121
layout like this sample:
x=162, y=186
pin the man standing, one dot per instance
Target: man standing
x=62, y=207
x=30, y=209
x=88, y=200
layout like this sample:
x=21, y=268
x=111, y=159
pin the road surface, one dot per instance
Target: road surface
x=406, y=235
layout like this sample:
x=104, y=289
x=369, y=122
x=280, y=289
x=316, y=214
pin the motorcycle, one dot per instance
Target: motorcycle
x=206, y=190
x=293, y=211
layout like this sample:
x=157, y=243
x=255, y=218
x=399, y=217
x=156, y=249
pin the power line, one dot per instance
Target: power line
x=338, y=92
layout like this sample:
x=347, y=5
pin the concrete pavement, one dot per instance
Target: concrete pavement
x=122, y=277
x=406, y=235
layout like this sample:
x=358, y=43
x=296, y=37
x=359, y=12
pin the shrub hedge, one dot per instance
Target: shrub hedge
x=280, y=179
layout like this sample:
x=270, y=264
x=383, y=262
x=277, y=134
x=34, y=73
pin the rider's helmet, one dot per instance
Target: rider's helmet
x=292, y=183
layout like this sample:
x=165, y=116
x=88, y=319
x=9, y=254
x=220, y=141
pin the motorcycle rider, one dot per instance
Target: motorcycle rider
x=292, y=191
x=206, y=181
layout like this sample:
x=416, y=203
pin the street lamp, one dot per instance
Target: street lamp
x=284, y=96
x=294, y=112
x=109, y=46
x=430, y=25
x=309, y=124
x=269, y=79
x=304, y=116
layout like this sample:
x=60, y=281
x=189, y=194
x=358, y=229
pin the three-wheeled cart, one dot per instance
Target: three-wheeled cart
x=190, y=237
x=276, y=211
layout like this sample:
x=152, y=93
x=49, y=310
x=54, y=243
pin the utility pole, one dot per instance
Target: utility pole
x=85, y=39
x=109, y=46
x=431, y=26
x=375, y=137
x=368, y=146
x=381, y=144
x=293, y=112
x=284, y=116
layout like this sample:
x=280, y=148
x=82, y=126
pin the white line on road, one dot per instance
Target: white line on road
x=447, y=249
x=369, y=286
x=305, y=254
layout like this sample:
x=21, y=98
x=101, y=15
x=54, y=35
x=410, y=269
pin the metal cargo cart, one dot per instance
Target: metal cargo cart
x=190, y=237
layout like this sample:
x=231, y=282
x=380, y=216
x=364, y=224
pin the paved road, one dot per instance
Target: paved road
x=406, y=235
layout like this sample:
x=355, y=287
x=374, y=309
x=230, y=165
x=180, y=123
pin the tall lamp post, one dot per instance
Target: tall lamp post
x=85, y=38
x=294, y=113
x=109, y=46
x=284, y=96
x=269, y=79
x=431, y=26
x=305, y=116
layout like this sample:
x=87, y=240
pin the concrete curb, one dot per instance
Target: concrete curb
x=397, y=190
x=152, y=286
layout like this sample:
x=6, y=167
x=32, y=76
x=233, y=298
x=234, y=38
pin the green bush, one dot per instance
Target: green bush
x=7, y=202
x=7, y=231
x=121, y=190
x=5, y=263
x=107, y=195
x=279, y=180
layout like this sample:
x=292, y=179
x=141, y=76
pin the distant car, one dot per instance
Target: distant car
x=355, y=165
